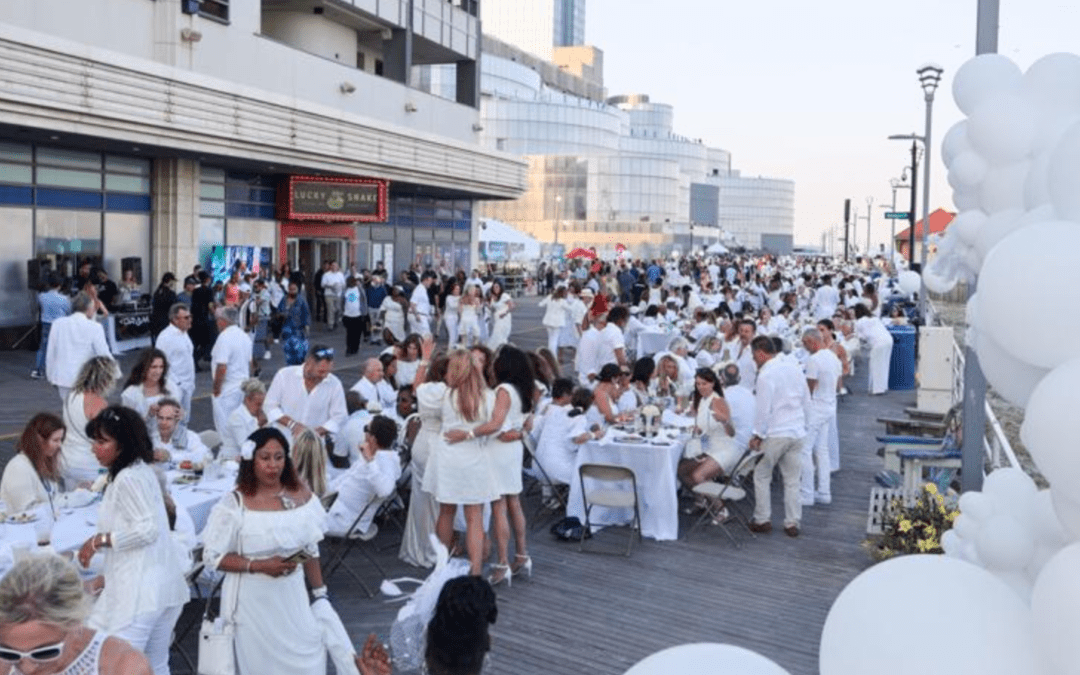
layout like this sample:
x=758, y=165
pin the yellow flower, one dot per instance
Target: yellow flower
x=931, y=488
x=952, y=516
x=930, y=531
x=904, y=526
x=925, y=545
x=939, y=499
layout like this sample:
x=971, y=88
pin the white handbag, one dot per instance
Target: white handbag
x=217, y=655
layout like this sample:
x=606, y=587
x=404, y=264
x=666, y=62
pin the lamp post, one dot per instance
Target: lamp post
x=869, y=211
x=558, y=214
x=915, y=139
x=896, y=184
x=929, y=78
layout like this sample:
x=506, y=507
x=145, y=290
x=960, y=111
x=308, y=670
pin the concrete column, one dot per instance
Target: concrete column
x=175, y=239
x=397, y=56
x=468, y=83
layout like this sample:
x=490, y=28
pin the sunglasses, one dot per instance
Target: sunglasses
x=327, y=353
x=41, y=654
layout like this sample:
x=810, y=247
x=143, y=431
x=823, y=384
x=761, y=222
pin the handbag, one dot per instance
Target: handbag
x=217, y=655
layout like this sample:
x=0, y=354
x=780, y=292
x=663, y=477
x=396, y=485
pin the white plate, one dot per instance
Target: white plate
x=22, y=518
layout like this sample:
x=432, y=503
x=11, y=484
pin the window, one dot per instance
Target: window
x=216, y=9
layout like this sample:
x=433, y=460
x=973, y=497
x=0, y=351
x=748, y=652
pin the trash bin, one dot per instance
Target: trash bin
x=902, y=362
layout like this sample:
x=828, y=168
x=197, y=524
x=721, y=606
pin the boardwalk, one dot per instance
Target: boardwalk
x=590, y=613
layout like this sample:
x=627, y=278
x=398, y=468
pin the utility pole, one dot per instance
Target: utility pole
x=847, y=226
x=869, y=210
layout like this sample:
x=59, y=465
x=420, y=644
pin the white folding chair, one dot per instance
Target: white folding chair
x=608, y=494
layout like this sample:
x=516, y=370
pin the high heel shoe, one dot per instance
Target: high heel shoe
x=499, y=574
x=525, y=566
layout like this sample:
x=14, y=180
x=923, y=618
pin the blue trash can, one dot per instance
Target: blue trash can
x=902, y=362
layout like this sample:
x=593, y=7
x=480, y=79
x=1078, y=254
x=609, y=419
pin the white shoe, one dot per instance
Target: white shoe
x=266, y=356
x=277, y=341
x=806, y=502
x=822, y=499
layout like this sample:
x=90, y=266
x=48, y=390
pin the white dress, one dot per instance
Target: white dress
x=555, y=451
x=460, y=473
x=394, y=318
x=406, y=372
x=134, y=398
x=276, y=632
x=501, y=321
x=469, y=328
x=22, y=487
x=506, y=458
x=77, y=461
x=420, y=523
x=714, y=439
x=452, y=317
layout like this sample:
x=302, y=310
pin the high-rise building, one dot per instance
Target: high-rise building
x=535, y=26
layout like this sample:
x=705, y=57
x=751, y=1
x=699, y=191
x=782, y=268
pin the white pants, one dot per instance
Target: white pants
x=834, y=445
x=420, y=324
x=333, y=310
x=785, y=452
x=879, y=368
x=451, y=321
x=151, y=634
x=223, y=406
x=553, y=339
x=815, y=457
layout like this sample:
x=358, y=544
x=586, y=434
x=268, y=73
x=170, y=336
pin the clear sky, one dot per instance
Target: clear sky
x=809, y=90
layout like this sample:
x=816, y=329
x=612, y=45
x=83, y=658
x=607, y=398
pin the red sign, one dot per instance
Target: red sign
x=331, y=199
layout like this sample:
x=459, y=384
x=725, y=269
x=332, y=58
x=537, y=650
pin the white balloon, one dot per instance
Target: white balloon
x=997, y=227
x=1011, y=378
x=1067, y=511
x=1010, y=488
x=705, y=658
x=952, y=544
x=1019, y=582
x=909, y=282
x=1053, y=83
x=1043, y=554
x=1049, y=430
x=1004, y=544
x=967, y=226
x=1027, y=289
x=981, y=78
x=976, y=506
x=1045, y=525
x=1037, y=182
x=969, y=168
x=1002, y=129
x=966, y=527
x=1003, y=188
x=937, y=282
x=1050, y=130
x=1055, y=612
x=966, y=199
x=988, y=626
x=954, y=142
x=1062, y=173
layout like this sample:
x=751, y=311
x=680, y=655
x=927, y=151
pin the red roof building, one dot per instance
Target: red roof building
x=939, y=222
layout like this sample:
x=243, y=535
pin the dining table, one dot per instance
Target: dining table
x=654, y=461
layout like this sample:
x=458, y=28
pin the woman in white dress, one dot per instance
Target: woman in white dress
x=408, y=360
x=87, y=398
x=577, y=308
x=469, y=327
x=554, y=316
x=460, y=473
x=565, y=428
x=500, y=306
x=393, y=308
x=144, y=579
x=416, y=546
x=452, y=311
x=243, y=421
x=514, y=397
x=32, y=476
x=250, y=535
x=712, y=424
x=879, y=343
x=605, y=407
x=147, y=384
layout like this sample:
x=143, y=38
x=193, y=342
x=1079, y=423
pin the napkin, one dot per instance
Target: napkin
x=76, y=498
x=671, y=419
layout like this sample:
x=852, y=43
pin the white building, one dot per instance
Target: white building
x=535, y=26
x=167, y=132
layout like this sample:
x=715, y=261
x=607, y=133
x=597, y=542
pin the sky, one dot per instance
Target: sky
x=810, y=91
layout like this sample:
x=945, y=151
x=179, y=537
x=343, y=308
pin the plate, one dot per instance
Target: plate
x=186, y=479
x=629, y=439
x=22, y=518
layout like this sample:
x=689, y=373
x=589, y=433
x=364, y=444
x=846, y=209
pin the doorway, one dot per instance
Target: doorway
x=308, y=256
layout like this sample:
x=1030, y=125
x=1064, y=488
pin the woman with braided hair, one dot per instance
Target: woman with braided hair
x=457, y=635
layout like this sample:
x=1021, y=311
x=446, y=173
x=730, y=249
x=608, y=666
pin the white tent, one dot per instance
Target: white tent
x=716, y=249
x=502, y=242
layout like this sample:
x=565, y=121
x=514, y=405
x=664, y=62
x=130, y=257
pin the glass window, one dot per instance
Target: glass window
x=17, y=152
x=16, y=173
x=72, y=159
x=119, y=183
x=16, y=247
x=68, y=232
x=89, y=180
x=218, y=9
x=128, y=235
x=132, y=165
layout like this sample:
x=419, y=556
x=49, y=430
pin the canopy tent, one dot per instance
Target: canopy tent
x=500, y=242
x=716, y=249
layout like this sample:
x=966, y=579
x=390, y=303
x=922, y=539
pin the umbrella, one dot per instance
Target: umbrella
x=582, y=253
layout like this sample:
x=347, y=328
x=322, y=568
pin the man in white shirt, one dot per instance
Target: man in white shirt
x=373, y=387
x=612, y=347
x=172, y=441
x=741, y=402
x=588, y=352
x=307, y=396
x=420, y=305
x=367, y=481
x=179, y=353
x=826, y=299
x=781, y=400
x=823, y=370
x=230, y=362
x=333, y=283
x=743, y=355
x=74, y=340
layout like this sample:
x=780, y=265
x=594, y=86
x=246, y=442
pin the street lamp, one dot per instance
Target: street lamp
x=929, y=78
x=915, y=140
x=558, y=214
x=896, y=184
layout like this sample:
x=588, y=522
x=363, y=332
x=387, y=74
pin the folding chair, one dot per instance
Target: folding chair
x=328, y=500
x=537, y=479
x=211, y=439
x=338, y=547
x=181, y=631
x=726, y=495
x=610, y=496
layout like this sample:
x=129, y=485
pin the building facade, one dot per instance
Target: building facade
x=535, y=26
x=155, y=135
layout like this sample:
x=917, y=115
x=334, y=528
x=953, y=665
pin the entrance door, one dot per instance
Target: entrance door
x=308, y=255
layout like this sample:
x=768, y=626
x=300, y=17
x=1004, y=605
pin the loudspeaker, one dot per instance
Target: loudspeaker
x=135, y=265
x=37, y=274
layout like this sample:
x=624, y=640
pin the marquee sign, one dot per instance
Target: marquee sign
x=331, y=199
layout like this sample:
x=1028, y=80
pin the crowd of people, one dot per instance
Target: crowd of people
x=755, y=353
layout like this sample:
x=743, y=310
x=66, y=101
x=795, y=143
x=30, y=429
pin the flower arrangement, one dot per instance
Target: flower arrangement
x=916, y=528
x=648, y=421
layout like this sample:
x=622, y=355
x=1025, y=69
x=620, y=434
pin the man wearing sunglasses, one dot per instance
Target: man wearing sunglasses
x=371, y=478
x=308, y=396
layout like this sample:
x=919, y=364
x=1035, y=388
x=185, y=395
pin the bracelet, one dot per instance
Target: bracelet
x=291, y=424
x=470, y=435
x=319, y=592
x=248, y=568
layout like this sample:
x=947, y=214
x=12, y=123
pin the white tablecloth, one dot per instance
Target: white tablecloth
x=655, y=468
x=651, y=341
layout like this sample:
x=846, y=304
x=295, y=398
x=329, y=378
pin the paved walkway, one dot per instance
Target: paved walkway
x=591, y=613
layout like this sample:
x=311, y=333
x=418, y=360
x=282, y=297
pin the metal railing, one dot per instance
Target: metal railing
x=996, y=445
